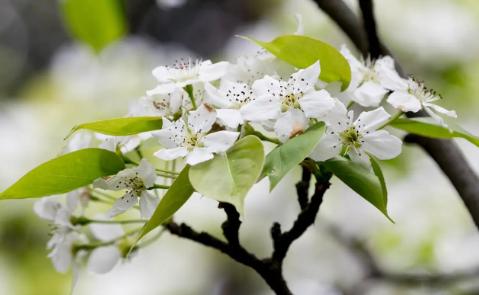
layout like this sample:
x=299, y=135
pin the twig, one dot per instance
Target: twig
x=271, y=268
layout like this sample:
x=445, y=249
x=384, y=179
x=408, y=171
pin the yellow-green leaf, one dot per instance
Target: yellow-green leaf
x=122, y=126
x=302, y=51
x=65, y=173
x=95, y=22
x=229, y=177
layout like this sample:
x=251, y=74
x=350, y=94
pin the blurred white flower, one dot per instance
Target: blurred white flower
x=357, y=138
x=187, y=72
x=136, y=181
x=191, y=139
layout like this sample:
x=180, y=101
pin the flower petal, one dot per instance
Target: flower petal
x=210, y=72
x=328, y=147
x=220, y=141
x=261, y=109
x=202, y=119
x=148, y=204
x=304, y=80
x=122, y=204
x=382, y=144
x=198, y=155
x=103, y=259
x=387, y=74
x=171, y=154
x=106, y=232
x=290, y=123
x=267, y=86
x=316, y=104
x=214, y=97
x=441, y=110
x=146, y=172
x=368, y=121
x=404, y=101
x=46, y=208
x=369, y=94
x=230, y=118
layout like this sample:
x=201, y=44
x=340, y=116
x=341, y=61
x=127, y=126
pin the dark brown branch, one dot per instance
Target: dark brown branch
x=445, y=152
x=369, y=23
x=271, y=268
x=340, y=13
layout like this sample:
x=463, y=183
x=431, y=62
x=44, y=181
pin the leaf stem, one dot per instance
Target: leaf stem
x=391, y=119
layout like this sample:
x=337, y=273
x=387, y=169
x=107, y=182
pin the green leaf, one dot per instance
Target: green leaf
x=379, y=174
x=122, y=126
x=285, y=157
x=229, y=177
x=361, y=180
x=302, y=51
x=95, y=22
x=179, y=192
x=65, y=173
x=429, y=128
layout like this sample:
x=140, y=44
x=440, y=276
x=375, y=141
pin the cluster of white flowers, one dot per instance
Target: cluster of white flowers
x=206, y=108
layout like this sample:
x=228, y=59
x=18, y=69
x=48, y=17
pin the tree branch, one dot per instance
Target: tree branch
x=271, y=268
x=444, y=152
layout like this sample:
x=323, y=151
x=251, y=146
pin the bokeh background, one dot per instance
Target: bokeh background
x=49, y=82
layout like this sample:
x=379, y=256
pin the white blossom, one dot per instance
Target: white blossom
x=412, y=96
x=370, y=80
x=297, y=95
x=188, y=137
x=357, y=138
x=187, y=72
x=136, y=182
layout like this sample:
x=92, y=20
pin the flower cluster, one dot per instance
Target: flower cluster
x=206, y=107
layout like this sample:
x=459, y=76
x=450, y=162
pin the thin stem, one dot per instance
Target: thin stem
x=189, y=90
x=117, y=221
x=159, y=186
x=391, y=119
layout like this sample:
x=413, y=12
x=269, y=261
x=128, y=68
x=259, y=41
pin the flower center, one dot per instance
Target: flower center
x=289, y=101
x=351, y=137
x=136, y=185
x=192, y=140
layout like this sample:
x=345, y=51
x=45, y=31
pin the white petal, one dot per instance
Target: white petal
x=290, y=123
x=369, y=121
x=172, y=135
x=148, y=204
x=220, y=141
x=162, y=74
x=106, y=232
x=171, y=154
x=404, y=101
x=382, y=144
x=369, y=94
x=388, y=76
x=46, y=208
x=198, y=155
x=168, y=87
x=230, y=118
x=202, y=119
x=210, y=72
x=441, y=110
x=214, y=97
x=328, y=147
x=103, y=259
x=299, y=24
x=359, y=156
x=317, y=104
x=261, y=109
x=146, y=172
x=305, y=79
x=124, y=203
x=337, y=118
x=267, y=86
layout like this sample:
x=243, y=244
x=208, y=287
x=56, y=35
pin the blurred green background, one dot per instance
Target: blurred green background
x=49, y=82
